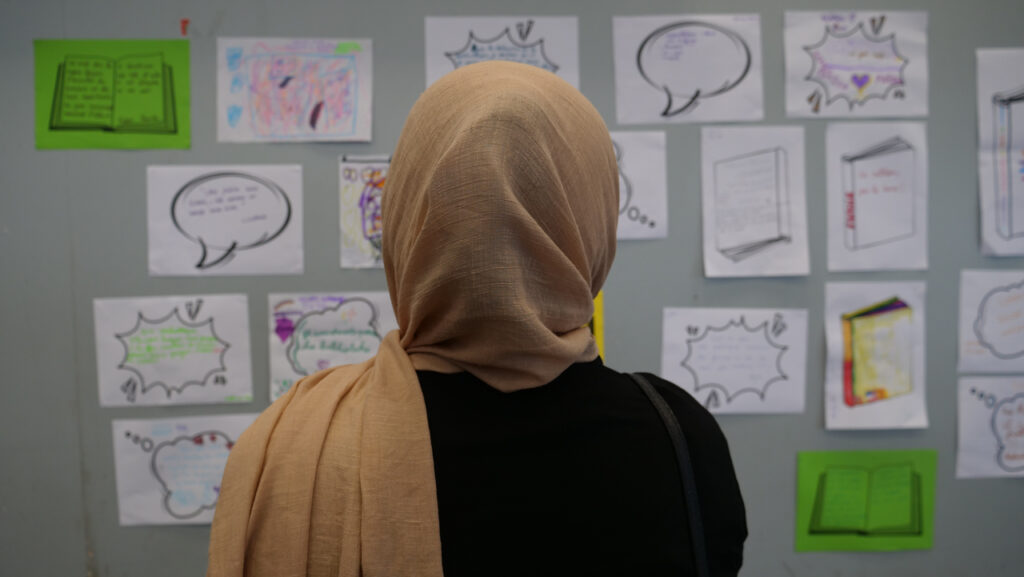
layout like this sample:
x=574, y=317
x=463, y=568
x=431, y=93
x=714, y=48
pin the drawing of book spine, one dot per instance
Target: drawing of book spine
x=751, y=203
x=1008, y=147
x=878, y=194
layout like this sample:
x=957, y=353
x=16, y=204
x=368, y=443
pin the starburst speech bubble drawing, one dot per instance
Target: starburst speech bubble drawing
x=854, y=66
x=735, y=359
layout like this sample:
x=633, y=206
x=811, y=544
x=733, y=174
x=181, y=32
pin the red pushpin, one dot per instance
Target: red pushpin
x=184, y=26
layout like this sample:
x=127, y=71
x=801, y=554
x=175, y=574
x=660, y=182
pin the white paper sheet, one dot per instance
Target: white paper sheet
x=754, y=202
x=1001, y=150
x=310, y=332
x=173, y=350
x=688, y=68
x=891, y=351
x=877, y=196
x=551, y=43
x=737, y=360
x=991, y=321
x=866, y=64
x=294, y=89
x=224, y=220
x=643, y=188
x=169, y=470
x=991, y=427
x=361, y=188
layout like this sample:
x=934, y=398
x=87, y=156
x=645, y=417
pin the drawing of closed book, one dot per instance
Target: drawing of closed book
x=1009, y=162
x=878, y=350
x=129, y=94
x=878, y=194
x=751, y=203
x=884, y=500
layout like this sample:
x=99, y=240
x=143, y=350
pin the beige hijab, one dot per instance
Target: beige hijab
x=499, y=228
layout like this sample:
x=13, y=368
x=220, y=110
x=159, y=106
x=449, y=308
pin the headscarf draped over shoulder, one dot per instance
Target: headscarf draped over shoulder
x=500, y=211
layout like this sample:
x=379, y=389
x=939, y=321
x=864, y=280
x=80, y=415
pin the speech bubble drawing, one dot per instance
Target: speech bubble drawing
x=1008, y=427
x=189, y=469
x=224, y=212
x=999, y=325
x=691, y=61
x=501, y=47
x=170, y=353
x=854, y=66
x=735, y=358
x=347, y=333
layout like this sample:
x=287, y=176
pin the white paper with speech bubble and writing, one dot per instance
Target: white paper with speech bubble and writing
x=754, y=201
x=737, y=360
x=890, y=350
x=991, y=321
x=310, y=332
x=551, y=43
x=688, y=68
x=225, y=220
x=847, y=64
x=173, y=350
x=169, y=470
x=990, y=427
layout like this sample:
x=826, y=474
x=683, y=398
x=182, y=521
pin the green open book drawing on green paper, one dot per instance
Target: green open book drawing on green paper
x=884, y=500
x=133, y=93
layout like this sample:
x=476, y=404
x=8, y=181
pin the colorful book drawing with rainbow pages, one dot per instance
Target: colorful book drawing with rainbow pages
x=129, y=94
x=885, y=500
x=877, y=352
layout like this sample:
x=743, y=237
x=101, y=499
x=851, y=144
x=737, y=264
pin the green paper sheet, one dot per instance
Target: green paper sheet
x=112, y=94
x=865, y=500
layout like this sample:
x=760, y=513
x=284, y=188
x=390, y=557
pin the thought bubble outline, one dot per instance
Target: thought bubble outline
x=829, y=32
x=623, y=198
x=742, y=323
x=167, y=492
x=694, y=99
x=453, y=55
x=139, y=320
x=372, y=323
x=229, y=251
x=999, y=440
x=979, y=321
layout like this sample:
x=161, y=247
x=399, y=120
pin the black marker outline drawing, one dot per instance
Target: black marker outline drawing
x=815, y=97
x=231, y=249
x=289, y=348
x=692, y=99
x=147, y=445
x=783, y=208
x=979, y=322
x=849, y=203
x=452, y=56
x=626, y=208
x=1005, y=194
x=140, y=385
x=764, y=327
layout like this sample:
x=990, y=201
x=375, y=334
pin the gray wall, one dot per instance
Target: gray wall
x=73, y=228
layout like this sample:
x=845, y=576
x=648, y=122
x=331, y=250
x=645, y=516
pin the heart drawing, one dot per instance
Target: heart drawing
x=860, y=80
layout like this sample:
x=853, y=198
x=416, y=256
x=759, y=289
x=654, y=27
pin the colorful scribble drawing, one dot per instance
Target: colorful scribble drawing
x=299, y=89
x=1008, y=146
x=855, y=64
x=172, y=353
x=503, y=47
x=362, y=189
x=709, y=358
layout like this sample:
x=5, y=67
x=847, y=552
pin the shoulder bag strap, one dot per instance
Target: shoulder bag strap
x=685, y=472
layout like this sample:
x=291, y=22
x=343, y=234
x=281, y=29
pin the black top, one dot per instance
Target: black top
x=577, y=477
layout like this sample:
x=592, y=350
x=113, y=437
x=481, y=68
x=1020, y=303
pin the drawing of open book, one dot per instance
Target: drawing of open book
x=877, y=352
x=129, y=94
x=751, y=203
x=884, y=500
x=1009, y=161
x=878, y=194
